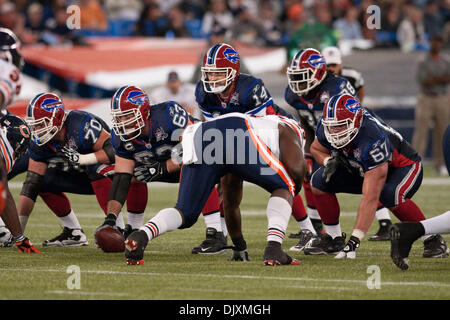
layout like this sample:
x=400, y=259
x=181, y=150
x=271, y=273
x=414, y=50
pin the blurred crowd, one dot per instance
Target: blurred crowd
x=407, y=24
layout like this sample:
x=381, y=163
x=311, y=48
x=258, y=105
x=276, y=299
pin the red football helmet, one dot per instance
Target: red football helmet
x=306, y=71
x=45, y=117
x=342, y=118
x=221, y=66
x=130, y=108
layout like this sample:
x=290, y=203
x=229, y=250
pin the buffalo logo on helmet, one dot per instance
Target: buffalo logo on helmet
x=137, y=97
x=50, y=104
x=316, y=60
x=352, y=105
x=231, y=55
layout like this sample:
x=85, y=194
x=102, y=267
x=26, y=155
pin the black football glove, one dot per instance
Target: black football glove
x=333, y=163
x=150, y=172
x=349, y=250
x=110, y=221
x=71, y=155
x=240, y=256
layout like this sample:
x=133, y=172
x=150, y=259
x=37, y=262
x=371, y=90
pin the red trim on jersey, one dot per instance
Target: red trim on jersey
x=399, y=160
x=405, y=186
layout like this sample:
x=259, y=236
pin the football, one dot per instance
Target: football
x=110, y=239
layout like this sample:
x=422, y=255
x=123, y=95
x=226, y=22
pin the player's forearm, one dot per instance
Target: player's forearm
x=10, y=216
x=172, y=166
x=118, y=192
x=319, y=153
x=365, y=215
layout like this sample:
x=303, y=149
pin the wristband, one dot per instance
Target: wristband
x=325, y=161
x=88, y=159
x=358, y=234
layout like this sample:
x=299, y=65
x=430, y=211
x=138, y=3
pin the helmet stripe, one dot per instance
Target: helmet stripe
x=116, y=98
x=213, y=53
x=30, y=108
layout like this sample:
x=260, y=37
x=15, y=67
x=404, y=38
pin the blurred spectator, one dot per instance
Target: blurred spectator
x=57, y=30
x=390, y=17
x=165, y=5
x=411, y=31
x=10, y=18
x=123, y=9
x=272, y=33
x=316, y=34
x=338, y=9
x=92, y=15
x=296, y=17
x=176, y=27
x=193, y=9
x=151, y=22
x=236, y=6
x=246, y=28
x=348, y=26
x=176, y=90
x=368, y=33
x=217, y=14
x=432, y=19
x=35, y=19
x=433, y=76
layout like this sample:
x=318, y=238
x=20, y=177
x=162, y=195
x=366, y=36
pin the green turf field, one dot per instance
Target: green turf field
x=172, y=272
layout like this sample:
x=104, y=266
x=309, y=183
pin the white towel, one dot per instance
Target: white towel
x=189, y=155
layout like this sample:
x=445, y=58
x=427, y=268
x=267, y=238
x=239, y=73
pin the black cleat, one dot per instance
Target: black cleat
x=295, y=235
x=400, y=246
x=67, y=238
x=135, y=246
x=325, y=245
x=275, y=256
x=383, y=232
x=435, y=247
x=214, y=243
x=305, y=237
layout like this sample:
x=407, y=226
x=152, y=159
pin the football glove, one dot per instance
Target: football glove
x=240, y=256
x=349, y=251
x=110, y=221
x=309, y=163
x=150, y=172
x=23, y=244
x=333, y=163
x=71, y=155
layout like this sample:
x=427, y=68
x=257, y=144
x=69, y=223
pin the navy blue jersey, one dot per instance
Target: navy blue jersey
x=310, y=106
x=375, y=144
x=166, y=122
x=82, y=131
x=249, y=96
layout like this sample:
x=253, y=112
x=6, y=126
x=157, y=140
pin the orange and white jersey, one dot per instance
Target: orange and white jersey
x=6, y=150
x=10, y=82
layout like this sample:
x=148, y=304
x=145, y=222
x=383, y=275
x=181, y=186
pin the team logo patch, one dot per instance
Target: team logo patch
x=316, y=60
x=324, y=97
x=137, y=98
x=50, y=104
x=231, y=55
x=357, y=153
x=160, y=134
x=352, y=105
x=24, y=131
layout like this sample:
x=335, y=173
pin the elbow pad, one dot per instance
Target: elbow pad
x=32, y=185
x=108, y=148
x=120, y=186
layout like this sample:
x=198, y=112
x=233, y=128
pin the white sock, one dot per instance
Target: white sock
x=23, y=222
x=212, y=220
x=333, y=230
x=70, y=221
x=439, y=224
x=313, y=213
x=165, y=220
x=135, y=219
x=278, y=213
x=307, y=224
x=2, y=224
x=224, y=226
x=119, y=221
x=383, y=214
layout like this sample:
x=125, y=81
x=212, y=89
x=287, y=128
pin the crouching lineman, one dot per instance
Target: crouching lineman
x=14, y=141
x=146, y=144
x=361, y=154
x=81, y=137
x=266, y=151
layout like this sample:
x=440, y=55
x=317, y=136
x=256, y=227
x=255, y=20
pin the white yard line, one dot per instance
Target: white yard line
x=249, y=277
x=77, y=292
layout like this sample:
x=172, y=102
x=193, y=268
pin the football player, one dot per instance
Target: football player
x=360, y=154
x=14, y=141
x=270, y=155
x=84, y=140
x=333, y=59
x=224, y=89
x=403, y=235
x=146, y=144
x=309, y=88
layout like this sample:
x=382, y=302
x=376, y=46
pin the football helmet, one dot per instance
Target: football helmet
x=45, y=117
x=10, y=48
x=306, y=71
x=130, y=108
x=223, y=61
x=17, y=133
x=342, y=118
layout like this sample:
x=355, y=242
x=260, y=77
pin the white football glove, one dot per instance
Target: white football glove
x=349, y=251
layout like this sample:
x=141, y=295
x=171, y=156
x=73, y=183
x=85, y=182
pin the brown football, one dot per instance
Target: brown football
x=110, y=239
